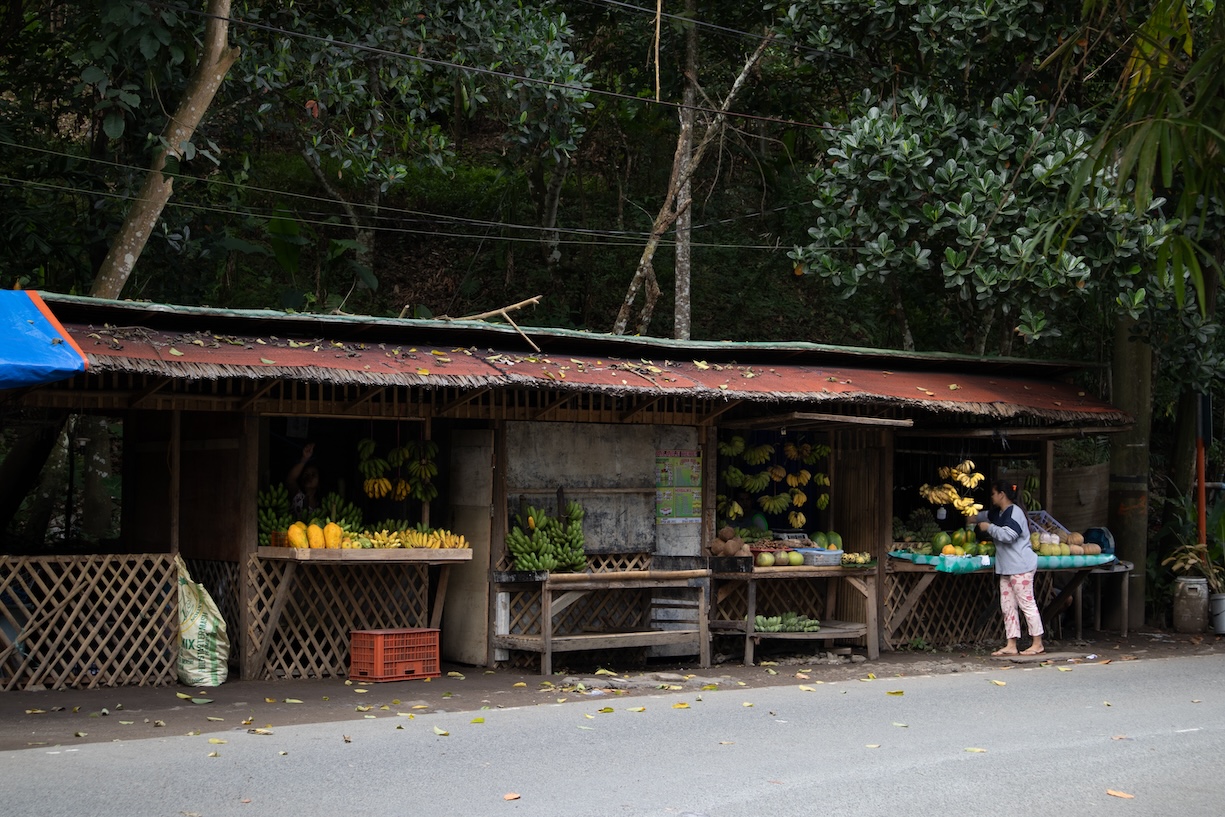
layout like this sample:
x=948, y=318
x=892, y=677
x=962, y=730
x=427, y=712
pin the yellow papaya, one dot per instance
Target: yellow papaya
x=297, y=536
x=332, y=534
x=314, y=537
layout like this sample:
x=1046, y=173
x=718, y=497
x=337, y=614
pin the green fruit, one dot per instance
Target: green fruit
x=765, y=559
x=820, y=540
x=834, y=540
x=940, y=540
x=795, y=558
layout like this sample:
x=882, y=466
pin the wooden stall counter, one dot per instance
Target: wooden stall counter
x=860, y=579
x=304, y=603
x=588, y=611
x=977, y=605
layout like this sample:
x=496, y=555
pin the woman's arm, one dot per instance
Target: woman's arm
x=291, y=479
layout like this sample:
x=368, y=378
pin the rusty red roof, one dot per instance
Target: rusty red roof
x=339, y=358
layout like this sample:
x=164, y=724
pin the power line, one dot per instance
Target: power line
x=623, y=237
x=17, y=183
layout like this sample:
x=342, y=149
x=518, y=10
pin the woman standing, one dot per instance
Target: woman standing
x=1015, y=564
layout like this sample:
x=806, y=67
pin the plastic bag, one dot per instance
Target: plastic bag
x=204, y=646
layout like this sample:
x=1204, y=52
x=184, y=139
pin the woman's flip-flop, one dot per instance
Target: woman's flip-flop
x=1003, y=653
x=1032, y=651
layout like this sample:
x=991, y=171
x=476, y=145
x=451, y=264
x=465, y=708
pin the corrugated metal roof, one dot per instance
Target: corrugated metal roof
x=213, y=355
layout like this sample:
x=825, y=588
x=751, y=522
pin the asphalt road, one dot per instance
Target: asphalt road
x=1006, y=740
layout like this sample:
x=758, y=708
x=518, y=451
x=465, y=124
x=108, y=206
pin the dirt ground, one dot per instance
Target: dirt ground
x=50, y=718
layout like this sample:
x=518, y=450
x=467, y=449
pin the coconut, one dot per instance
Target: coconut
x=727, y=533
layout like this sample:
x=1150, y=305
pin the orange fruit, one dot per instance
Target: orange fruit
x=948, y=550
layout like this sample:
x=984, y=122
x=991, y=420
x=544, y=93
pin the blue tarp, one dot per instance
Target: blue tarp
x=34, y=348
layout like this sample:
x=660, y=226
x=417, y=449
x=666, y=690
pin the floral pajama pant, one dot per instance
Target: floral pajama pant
x=1018, y=591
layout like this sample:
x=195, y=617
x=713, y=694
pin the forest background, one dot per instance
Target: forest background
x=934, y=176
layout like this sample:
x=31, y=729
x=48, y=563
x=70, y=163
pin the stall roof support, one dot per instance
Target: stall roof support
x=157, y=386
x=641, y=407
x=254, y=398
x=464, y=399
x=809, y=419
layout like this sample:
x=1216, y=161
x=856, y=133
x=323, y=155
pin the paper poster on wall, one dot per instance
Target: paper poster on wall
x=678, y=486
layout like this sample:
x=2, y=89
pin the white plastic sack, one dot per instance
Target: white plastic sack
x=204, y=646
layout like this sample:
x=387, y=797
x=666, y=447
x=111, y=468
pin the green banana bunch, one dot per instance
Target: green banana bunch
x=365, y=448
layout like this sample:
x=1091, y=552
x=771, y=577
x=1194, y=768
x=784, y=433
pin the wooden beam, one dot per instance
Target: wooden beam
x=640, y=408
x=149, y=392
x=246, y=405
x=556, y=404
x=1039, y=432
x=176, y=475
x=804, y=419
x=463, y=399
x=369, y=395
x=715, y=414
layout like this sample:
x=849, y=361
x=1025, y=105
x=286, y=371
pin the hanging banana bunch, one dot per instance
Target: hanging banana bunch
x=733, y=477
x=790, y=451
x=777, y=473
x=728, y=508
x=774, y=503
x=796, y=519
x=733, y=447
x=757, y=483
x=759, y=454
x=798, y=498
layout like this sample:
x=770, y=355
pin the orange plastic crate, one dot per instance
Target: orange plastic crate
x=394, y=655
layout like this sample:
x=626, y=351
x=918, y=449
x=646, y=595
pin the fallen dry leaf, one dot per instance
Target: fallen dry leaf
x=1107, y=703
x=804, y=688
x=248, y=721
x=419, y=706
x=214, y=754
x=182, y=696
x=746, y=703
x=210, y=717
x=347, y=739
x=605, y=709
x=79, y=734
x=680, y=705
x=295, y=700
x=637, y=709
x=902, y=725
x=1000, y=683
x=217, y=740
x=361, y=708
x=270, y=700
x=1064, y=669
x=1122, y=794
x=520, y=684
x=871, y=746
x=454, y=674
x=477, y=720
x=258, y=731
x=361, y=690
x=36, y=712
x=438, y=730
x=511, y=795
x=896, y=692
x=709, y=687
x=975, y=749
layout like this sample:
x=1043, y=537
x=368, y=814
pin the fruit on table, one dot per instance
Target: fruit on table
x=297, y=535
x=795, y=558
x=332, y=534
x=820, y=540
x=833, y=540
x=940, y=540
x=853, y=559
x=314, y=537
x=765, y=559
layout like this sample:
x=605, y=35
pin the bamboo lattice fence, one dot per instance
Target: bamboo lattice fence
x=300, y=616
x=955, y=608
x=88, y=621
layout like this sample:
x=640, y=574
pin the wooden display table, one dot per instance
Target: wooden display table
x=561, y=591
x=860, y=579
x=1056, y=604
x=305, y=602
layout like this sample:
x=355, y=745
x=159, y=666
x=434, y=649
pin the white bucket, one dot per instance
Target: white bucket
x=1216, y=611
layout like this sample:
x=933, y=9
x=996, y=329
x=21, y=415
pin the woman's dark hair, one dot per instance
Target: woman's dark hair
x=1007, y=488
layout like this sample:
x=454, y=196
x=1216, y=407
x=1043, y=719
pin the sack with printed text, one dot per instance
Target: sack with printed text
x=204, y=646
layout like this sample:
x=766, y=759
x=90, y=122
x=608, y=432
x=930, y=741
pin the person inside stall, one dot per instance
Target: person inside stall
x=303, y=483
x=1015, y=564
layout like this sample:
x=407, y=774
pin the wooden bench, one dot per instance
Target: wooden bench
x=560, y=591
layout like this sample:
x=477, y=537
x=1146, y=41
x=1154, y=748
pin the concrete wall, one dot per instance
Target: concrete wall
x=610, y=470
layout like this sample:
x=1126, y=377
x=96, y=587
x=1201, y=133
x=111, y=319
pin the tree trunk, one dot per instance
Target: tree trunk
x=1132, y=391
x=97, y=505
x=669, y=210
x=550, y=238
x=215, y=61
x=22, y=466
x=682, y=320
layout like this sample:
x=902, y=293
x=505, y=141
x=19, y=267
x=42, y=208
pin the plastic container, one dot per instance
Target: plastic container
x=394, y=655
x=815, y=557
x=1190, y=604
x=1216, y=609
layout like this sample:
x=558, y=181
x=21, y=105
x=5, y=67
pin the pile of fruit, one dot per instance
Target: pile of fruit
x=332, y=536
x=777, y=485
x=729, y=542
x=412, y=465
x=786, y=623
x=1062, y=544
x=856, y=559
x=542, y=542
x=778, y=558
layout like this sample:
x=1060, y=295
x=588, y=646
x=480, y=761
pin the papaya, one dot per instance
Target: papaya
x=314, y=537
x=332, y=534
x=297, y=535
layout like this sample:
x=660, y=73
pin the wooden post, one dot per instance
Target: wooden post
x=176, y=475
x=248, y=534
x=1046, y=465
